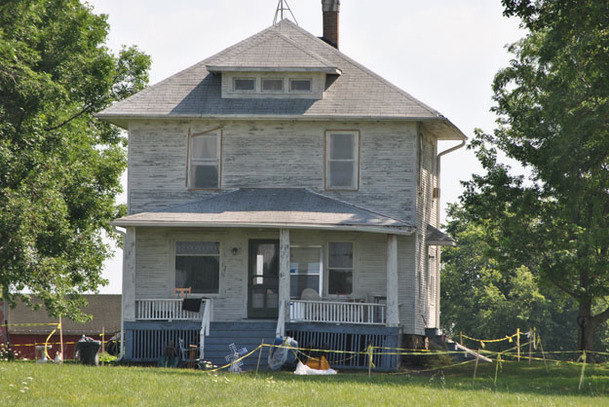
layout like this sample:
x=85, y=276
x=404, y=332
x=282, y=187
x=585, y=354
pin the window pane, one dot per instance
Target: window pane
x=342, y=146
x=340, y=282
x=300, y=282
x=244, y=84
x=201, y=273
x=341, y=174
x=305, y=260
x=340, y=255
x=204, y=176
x=300, y=85
x=272, y=85
x=197, y=248
x=205, y=147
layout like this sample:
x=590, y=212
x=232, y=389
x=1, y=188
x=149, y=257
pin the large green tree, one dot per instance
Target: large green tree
x=59, y=166
x=553, y=107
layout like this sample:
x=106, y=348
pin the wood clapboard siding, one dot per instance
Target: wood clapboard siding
x=155, y=265
x=274, y=154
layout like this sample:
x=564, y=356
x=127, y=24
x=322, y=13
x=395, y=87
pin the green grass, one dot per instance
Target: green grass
x=30, y=384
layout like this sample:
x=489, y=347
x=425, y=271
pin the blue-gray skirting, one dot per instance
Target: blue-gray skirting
x=145, y=341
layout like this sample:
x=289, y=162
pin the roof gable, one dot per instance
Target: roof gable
x=357, y=93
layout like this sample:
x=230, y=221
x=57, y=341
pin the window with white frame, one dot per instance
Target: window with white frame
x=340, y=268
x=272, y=85
x=305, y=269
x=342, y=160
x=197, y=265
x=244, y=84
x=204, y=160
x=300, y=85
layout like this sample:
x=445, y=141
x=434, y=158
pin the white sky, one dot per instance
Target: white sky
x=443, y=52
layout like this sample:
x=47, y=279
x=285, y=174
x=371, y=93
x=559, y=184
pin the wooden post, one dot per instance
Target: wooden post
x=393, y=317
x=129, y=270
x=518, y=343
x=259, y=356
x=461, y=338
x=284, y=272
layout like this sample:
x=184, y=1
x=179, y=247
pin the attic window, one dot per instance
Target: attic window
x=245, y=84
x=272, y=85
x=300, y=85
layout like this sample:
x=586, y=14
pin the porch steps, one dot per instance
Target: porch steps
x=243, y=334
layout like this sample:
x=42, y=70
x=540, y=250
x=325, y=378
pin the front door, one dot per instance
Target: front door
x=263, y=279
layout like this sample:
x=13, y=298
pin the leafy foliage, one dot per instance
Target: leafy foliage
x=59, y=167
x=553, y=104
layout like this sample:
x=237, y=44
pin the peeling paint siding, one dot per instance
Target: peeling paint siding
x=273, y=154
x=155, y=266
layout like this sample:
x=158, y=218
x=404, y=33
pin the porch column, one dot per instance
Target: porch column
x=284, y=270
x=129, y=276
x=393, y=317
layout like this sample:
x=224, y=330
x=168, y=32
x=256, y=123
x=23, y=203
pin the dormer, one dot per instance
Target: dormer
x=272, y=66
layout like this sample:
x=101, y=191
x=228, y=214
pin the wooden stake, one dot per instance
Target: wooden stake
x=461, y=338
x=61, y=338
x=518, y=343
x=543, y=354
x=102, y=341
x=369, y=360
x=259, y=356
x=531, y=340
x=476, y=367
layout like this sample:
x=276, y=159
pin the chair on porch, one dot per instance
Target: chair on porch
x=182, y=292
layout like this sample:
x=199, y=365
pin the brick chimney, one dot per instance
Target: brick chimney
x=331, y=9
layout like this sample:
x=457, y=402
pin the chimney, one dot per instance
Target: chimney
x=331, y=9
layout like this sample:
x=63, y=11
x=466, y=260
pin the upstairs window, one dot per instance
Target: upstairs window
x=342, y=160
x=204, y=160
x=300, y=85
x=340, y=268
x=198, y=267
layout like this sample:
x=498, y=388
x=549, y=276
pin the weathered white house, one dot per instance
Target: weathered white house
x=279, y=167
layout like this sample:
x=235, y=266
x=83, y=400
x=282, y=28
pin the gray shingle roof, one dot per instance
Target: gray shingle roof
x=294, y=208
x=436, y=237
x=356, y=93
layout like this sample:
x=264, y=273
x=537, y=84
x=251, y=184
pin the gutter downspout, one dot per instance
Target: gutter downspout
x=121, y=354
x=438, y=165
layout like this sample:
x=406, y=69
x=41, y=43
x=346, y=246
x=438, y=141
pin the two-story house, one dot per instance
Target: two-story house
x=291, y=189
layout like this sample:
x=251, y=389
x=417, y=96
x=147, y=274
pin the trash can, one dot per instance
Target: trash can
x=86, y=351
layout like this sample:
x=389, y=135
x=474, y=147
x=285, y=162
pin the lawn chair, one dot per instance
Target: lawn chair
x=189, y=355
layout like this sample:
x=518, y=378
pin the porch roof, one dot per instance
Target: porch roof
x=436, y=237
x=293, y=208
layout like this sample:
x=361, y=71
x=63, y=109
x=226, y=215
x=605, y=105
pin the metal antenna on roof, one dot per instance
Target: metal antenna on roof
x=283, y=7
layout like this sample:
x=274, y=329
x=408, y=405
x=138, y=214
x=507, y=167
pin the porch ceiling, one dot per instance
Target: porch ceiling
x=294, y=208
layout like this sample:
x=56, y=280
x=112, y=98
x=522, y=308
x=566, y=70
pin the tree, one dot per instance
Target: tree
x=59, y=166
x=553, y=103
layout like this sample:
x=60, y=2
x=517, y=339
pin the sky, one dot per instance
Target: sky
x=445, y=53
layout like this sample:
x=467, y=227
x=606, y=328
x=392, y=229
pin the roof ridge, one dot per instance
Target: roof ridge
x=368, y=71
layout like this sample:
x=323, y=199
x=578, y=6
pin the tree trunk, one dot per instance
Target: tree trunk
x=588, y=324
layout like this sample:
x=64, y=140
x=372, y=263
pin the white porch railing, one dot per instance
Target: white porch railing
x=337, y=312
x=167, y=310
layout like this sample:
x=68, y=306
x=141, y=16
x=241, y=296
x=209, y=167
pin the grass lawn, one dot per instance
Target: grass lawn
x=31, y=384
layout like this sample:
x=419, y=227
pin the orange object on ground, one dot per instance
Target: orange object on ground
x=318, y=363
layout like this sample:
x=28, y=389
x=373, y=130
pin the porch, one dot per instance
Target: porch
x=331, y=325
